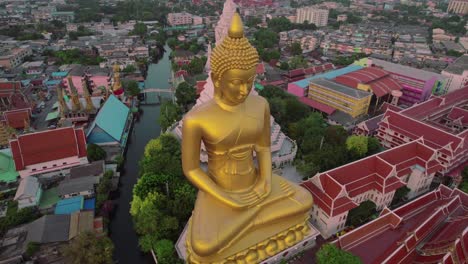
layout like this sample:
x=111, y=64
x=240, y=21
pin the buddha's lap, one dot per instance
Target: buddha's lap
x=213, y=220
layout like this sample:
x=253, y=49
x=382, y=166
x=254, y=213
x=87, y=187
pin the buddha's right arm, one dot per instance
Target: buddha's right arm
x=191, y=142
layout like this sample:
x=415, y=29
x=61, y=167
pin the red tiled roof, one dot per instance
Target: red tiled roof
x=200, y=86
x=7, y=88
x=432, y=219
x=16, y=118
x=317, y=105
x=435, y=104
x=296, y=73
x=413, y=129
x=260, y=68
x=379, y=172
x=379, y=80
x=29, y=149
x=458, y=113
x=318, y=69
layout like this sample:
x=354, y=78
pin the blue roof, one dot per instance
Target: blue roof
x=53, y=82
x=111, y=119
x=98, y=135
x=329, y=75
x=141, y=85
x=60, y=74
x=89, y=204
x=70, y=205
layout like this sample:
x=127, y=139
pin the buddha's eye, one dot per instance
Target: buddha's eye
x=236, y=82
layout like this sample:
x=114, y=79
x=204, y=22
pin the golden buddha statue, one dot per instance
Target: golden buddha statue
x=243, y=212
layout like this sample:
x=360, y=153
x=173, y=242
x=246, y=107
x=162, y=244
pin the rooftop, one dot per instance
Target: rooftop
x=431, y=223
x=328, y=75
x=459, y=66
x=348, y=91
x=49, y=228
x=95, y=168
x=77, y=185
x=8, y=173
x=405, y=70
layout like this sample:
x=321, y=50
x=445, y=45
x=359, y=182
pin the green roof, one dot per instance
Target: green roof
x=56, y=105
x=52, y=115
x=49, y=198
x=8, y=171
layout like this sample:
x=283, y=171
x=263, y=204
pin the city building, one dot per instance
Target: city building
x=301, y=88
x=64, y=16
x=313, y=15
x=12, y=97
x=441, y=122
x=431, y=229
x=459, y=7
x=417, y=84
x=42, y=155
x=342, y=17
x=375, y=178
x=11, y=58
x=29, y=192
x=83, y=186
x=351, y=101
x=111, y=128
x=99, y=80
x=456, y=74
x=179, y=19
x=17, y=119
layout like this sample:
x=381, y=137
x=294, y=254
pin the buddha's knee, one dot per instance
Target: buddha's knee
x=204, y=247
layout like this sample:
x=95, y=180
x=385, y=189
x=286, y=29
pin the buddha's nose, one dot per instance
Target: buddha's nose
x=243, y=89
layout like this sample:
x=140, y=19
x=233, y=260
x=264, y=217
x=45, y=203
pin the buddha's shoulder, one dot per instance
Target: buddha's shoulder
x=257, y=100
x=201, y=112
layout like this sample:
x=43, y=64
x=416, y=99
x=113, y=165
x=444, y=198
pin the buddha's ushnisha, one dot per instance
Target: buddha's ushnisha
x=243, y=213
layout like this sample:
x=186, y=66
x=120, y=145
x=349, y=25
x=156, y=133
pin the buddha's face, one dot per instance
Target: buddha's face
x=235, y=85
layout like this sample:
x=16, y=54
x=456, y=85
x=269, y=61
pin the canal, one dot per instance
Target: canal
x=121, y=227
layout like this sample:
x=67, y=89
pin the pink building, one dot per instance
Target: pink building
x=98, y=78
x=78, y=75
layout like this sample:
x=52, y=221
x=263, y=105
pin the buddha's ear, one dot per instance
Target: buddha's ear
x=214, y=78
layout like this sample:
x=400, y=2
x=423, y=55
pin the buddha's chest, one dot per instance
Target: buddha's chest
x=227, y=130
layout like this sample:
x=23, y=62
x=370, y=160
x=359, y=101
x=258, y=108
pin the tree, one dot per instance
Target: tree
x=185, y=95
x=297, y=62
x=357, y=145
x=196, y=66
x=88, y=248
x=165, y=252
x=32, y=248
x=172, y=43
x=162, y=156
x=139, y=29
x=361, y=214
x=296, y=48
x=373, y=146
x=131, y=88
x=284, y=66
x=129, y=69
x=169, y=114
x=454, y=53
x=95, y=152
x=400, y=195
x=330, y=254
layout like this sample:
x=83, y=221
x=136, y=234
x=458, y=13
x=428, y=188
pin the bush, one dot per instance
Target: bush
x=32, y=248
x=95, y=152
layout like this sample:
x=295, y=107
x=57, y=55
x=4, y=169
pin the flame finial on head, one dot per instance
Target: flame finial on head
x=236, y=30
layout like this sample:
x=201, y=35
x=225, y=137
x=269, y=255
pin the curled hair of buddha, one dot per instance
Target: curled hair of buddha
x=234, y=52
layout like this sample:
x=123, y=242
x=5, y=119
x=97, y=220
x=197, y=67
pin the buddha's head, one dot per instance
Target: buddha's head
x=233, y=65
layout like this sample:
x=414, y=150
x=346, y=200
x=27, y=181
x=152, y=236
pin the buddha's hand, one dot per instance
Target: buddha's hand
x=262, y=188
x=244, y=200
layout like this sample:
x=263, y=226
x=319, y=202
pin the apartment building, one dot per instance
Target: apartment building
x=313, y=15
x=178, y=19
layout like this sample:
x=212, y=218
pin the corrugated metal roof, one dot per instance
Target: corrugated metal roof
x=111, y=118
x=328, y=75
x=49, y=228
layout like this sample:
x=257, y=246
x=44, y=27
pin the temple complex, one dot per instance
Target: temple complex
x=283, y=148
x=431, y=229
